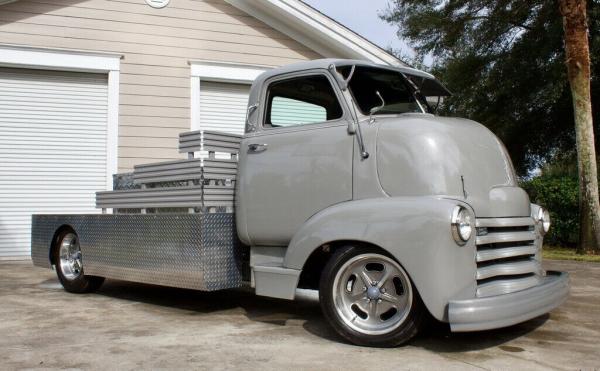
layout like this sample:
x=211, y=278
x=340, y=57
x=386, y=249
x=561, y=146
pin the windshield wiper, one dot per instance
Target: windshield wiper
x=374, y=110
x=416, y=93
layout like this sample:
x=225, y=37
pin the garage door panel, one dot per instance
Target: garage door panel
x=59, y=102
x=55, y=140
x=53, y=80
x=53, y=136
x=53, y=128
x=17, y=92
x=223, y=106
x=66, y=168
x=6, y=153
x=50, y=112
x=41, y=164
x=54, y=100
x=46, y=210
x=43, y=90
x=57, y=133
x=61, y=123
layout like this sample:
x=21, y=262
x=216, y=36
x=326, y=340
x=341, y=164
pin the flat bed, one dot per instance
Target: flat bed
x=172, y=222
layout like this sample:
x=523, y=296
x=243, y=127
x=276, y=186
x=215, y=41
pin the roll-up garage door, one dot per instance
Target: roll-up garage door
x=53, y=155
x=223, y=106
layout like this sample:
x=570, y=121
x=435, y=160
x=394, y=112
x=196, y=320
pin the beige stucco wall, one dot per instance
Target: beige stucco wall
x=157, y=45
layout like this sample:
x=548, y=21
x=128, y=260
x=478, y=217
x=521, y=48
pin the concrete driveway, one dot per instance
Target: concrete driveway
x=132, y=326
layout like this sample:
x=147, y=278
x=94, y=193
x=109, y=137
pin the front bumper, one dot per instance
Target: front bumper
x=509, y=309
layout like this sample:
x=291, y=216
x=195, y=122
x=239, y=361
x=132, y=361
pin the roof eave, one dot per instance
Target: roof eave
x=315, y=30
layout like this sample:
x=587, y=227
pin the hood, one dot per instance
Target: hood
x=425, y=155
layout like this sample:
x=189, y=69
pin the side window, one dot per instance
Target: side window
x=300, y=101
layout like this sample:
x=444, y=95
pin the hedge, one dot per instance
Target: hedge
x=558, y=194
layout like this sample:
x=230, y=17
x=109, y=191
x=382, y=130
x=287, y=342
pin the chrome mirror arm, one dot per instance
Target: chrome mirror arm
x=359, y=137
x=347, y=80
x=342, y=82
x=361, y=143
x=353, y=127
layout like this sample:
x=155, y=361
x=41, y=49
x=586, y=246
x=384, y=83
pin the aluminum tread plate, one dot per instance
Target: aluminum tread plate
x=195, y=251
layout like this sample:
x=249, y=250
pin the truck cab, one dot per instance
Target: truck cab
x=345, y=161
x=345, y=181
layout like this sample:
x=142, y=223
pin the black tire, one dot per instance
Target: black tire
x=405, y=327
x=79, y=284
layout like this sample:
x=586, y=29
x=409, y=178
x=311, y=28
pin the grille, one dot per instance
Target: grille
x=508, y=255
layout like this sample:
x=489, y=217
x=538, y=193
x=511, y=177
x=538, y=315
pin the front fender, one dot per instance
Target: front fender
x=414, y=230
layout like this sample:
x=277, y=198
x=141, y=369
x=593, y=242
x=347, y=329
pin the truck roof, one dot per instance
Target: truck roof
x=326, y=62
x=434, y=86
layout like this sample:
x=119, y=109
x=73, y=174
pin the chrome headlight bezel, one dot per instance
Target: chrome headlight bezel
x=461, y=225
x=543, y=217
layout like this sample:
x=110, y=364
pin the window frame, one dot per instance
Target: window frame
x=342, y=120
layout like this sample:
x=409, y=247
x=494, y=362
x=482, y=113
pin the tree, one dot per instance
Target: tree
x=504, y=62
x=578, y=66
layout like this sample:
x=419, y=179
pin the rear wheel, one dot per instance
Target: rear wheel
x=69, y=264
x=369, y=299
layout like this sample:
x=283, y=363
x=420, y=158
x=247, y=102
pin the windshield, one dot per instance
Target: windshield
x=399, y=94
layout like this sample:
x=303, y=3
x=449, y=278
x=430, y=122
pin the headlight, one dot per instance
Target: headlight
x=544, y=218
x=461, y=224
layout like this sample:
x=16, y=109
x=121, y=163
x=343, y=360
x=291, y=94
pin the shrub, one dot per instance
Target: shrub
x=558, y=194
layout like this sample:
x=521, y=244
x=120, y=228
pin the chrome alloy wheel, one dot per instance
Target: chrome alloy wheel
x=372, y=294
x=70, y=257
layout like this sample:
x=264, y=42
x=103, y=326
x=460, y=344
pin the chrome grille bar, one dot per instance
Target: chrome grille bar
x=507, y=255
x=504, y=222
x=499, y=237
x=484, y=255
x=508, y=269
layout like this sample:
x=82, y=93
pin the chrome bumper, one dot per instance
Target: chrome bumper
x=509, y=309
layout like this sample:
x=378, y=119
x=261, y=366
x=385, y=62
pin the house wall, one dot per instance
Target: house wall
x=157, y=45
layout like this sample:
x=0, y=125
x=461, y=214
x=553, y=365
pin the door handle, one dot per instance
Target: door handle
x=257, y=147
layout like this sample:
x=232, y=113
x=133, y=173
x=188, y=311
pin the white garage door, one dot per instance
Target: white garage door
x=223, y=106
x=52, y=149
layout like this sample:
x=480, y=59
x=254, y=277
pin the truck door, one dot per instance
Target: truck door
x=299, y=160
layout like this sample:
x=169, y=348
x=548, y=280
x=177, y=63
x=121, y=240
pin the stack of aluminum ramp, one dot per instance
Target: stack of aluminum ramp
x=196, y=184
x=210, y=141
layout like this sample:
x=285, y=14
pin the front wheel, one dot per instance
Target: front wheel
x=69, y=265
x=369, y=299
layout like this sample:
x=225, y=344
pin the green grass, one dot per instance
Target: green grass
x=561, y=253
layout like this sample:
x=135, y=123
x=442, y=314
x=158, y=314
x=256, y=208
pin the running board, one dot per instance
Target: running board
x=276, y=281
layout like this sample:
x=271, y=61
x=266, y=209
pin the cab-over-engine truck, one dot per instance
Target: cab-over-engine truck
x=344, y=181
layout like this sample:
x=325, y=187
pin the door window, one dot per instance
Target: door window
x=300, y=101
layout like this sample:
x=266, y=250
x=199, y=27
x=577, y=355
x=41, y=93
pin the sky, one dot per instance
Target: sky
x=361, y=16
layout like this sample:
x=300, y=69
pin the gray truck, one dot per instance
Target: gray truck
x=345, y=182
